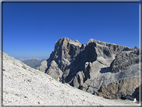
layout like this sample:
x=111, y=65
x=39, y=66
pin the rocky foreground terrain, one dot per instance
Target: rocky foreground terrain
x=23, y=85
x=100, y=68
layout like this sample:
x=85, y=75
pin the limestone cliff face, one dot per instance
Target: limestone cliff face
x=124, y=59
x=92, y=66
x=119, y=88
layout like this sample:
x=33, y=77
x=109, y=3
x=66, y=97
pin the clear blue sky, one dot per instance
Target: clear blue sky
x=30, y=30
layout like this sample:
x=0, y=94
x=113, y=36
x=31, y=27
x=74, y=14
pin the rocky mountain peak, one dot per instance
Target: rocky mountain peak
x=136, y=47
x=92, y=66
x=61, y=43
x=91, y=41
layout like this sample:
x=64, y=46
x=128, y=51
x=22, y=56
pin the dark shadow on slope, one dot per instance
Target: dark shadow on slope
x=48, y=64
x=75, y=66
x=87, y=55
x=136, y=93
x=105, y=70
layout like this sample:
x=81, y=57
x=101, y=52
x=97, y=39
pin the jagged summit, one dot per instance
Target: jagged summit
x=105, y=43
x=93, y=66
x=65, y=41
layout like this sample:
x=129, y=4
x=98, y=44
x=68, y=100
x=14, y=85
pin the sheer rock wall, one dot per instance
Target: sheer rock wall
x=94, y=66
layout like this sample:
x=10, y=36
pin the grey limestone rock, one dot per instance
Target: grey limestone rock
x=124, y=59
x=43, y=66
x=118, y=89
x=94, y=66
x=54, y=71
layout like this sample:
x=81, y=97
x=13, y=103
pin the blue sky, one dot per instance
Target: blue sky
x=30, y=30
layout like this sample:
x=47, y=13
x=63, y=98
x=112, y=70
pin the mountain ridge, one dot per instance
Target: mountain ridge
x=22, y=59
x=103, y=63
x=33, y=62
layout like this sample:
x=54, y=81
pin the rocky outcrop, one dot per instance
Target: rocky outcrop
x=93, y=66
x=124, y=59
x=119, y=88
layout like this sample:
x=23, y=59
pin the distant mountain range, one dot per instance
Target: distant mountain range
x=22, y=59
x=34, y=62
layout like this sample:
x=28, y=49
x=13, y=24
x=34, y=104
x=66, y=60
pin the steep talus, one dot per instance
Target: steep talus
x=94, y=66
x=23, y=85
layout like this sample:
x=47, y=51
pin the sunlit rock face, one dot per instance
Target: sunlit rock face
x=94, y=66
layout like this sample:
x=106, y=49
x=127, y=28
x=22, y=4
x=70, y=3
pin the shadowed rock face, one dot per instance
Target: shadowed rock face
x=119, y=88
x=124, y=59
x=94, y=66
x=136, y=93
